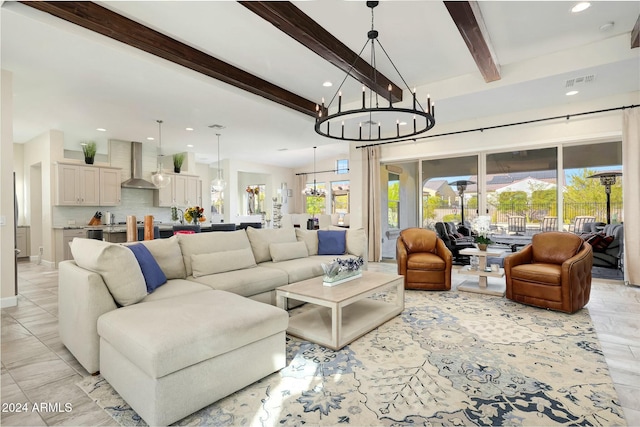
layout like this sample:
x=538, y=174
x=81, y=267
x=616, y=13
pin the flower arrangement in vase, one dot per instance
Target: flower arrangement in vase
x=481, y=226
x=342, y=270
x=194, y=214
x=178, y=159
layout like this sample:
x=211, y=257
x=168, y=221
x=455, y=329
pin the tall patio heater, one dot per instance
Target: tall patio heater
x=461, y=185
x=607, y=179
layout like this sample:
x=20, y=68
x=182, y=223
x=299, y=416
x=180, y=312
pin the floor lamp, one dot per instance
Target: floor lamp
x=607, y=179
x=461, y=186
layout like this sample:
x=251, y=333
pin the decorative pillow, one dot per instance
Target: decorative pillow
x=310, y=238
x=600, y=242
x=116, y=264
x=168, y=255
x=286, y=251
x=153, y=275
x=220, y=262
x=261, y=238
x=356, y=240
x=332, y=242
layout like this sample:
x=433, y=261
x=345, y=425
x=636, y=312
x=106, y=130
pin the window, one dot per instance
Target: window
x=342, y=166
x=340, y=197
x=315, y=205
x=393, y=201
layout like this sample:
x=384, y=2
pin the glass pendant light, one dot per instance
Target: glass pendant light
x=218, y=184
x=160, y=179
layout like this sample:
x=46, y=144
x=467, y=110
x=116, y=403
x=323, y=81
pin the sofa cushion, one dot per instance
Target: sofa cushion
x=299, y=269
x=219, y=262
x=215, y=241
x=246, y=282
x=310, y=238
x=168, y=255
x=599, y=241
x=261, y=238
x=164, y=336
x=175, y=288
x=116, y=264
x=332, y=242
x=286, y=251
x=151, y=271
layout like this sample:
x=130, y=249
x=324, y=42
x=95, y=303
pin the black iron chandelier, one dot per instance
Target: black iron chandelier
x=374, y=122
x=315, y=191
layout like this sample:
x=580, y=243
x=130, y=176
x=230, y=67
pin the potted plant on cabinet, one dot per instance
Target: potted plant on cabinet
x=178, y=159
x=89, y=149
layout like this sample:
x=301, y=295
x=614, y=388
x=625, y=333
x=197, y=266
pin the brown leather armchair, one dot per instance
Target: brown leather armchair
x=424, y=260
x=554, y=272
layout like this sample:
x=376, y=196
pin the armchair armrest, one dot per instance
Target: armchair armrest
x=576, y=278
x=444, y=253
x=401, y=256
x=525, y=256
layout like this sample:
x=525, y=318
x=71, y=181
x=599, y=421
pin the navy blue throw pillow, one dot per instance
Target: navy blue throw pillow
x=154, y=277
x=332, y=242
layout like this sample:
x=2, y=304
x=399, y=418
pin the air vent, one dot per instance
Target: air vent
x=216, y=126
x=579, y=81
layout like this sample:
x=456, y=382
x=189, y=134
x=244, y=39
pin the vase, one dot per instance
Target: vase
x=482, y=246
x=88, y=160
x=176, y=170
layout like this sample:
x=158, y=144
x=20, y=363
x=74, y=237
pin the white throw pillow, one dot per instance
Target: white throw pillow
x=310, y=238
x=261, y=238
x=286, y=251
x=116, y=264
x=168, y=256
x=220, y=262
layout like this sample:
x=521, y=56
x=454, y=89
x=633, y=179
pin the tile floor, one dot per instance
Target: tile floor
x=37, y=369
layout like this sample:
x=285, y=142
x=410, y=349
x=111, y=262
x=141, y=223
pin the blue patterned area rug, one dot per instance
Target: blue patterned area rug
x=449, y=359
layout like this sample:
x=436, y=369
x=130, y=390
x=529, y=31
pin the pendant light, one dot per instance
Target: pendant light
x=314, y=192
x=159, y=178
x=218, y=184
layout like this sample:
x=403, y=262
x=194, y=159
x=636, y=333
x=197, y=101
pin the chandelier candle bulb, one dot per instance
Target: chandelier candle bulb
x=414, y=103
x=389, y=87
x=379, y=126
x=363, y=100
x=343, y=129
x=414, y=121
x=360, y=126
x=340, y=103
x=398, y=127
x=433, y=110
x=428, y=103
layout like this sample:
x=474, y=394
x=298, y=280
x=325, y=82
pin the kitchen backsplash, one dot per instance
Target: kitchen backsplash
x=134, y=202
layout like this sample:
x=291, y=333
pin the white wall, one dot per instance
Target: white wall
x=7, y=237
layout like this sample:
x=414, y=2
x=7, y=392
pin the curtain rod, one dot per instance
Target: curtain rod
x=327, y=171
x=482, y=129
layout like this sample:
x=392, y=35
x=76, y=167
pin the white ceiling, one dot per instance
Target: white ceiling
x=70, y=79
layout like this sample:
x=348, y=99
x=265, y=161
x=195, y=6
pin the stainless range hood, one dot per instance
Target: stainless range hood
x=136, y=180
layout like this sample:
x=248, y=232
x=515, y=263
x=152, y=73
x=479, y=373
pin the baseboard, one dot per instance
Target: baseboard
x=8, y=302
x=36, y=260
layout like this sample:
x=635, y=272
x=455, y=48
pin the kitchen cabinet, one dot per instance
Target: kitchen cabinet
x=80, y=185
x=184, y=190
x=63, y=237
x=23, y=242
x=110, y=190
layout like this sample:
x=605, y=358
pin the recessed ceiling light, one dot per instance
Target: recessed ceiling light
x=282, y=149
x=190, y=145
x=150, y=138
x=579, y=7
x=101, y=129
x=327, y=84
x=189, y=129
x=572, y=92
x=402, y=123
x=607, y=26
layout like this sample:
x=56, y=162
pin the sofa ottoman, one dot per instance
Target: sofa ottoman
x=171, y=357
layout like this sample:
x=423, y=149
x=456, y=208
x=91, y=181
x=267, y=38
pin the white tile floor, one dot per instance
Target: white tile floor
x=37, y=368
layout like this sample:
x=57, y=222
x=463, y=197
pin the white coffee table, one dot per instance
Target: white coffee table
x=482, y=286
x=344, y=312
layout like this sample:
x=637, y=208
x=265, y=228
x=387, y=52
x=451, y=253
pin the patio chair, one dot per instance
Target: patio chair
x=517, y=224
x=549, y=223
x=580, y=221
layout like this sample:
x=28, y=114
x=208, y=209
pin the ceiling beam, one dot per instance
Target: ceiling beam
x=468, y=18
x=299, y=26
x=96, y=18
x=635, y=34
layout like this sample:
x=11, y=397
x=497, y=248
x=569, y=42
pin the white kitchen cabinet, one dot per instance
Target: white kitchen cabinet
x=23, y=242
x=77, y=185
x=63, y=237
x=184, y=190
x=110, y=190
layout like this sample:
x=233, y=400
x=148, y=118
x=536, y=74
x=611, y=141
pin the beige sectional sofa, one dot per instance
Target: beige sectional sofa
x=200, y=336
